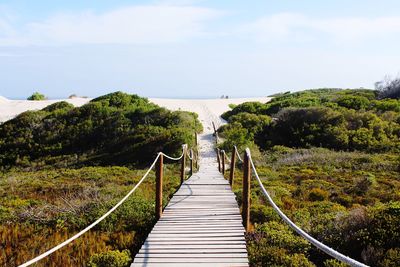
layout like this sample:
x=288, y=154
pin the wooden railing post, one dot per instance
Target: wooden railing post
x=219, y=159
x=159, y=186
x=246, y=192
x=232, y=167
x=223, y=161
x=183, y=165
x=197, y=159
x=215, y=133
x=191, y=161
x=215, y=129
x=197, y=149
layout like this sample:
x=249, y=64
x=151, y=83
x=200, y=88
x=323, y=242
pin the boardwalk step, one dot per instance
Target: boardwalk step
x=201, y=226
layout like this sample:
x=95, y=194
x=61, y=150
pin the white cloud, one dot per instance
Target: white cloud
x=129, y=25
x=298, y=27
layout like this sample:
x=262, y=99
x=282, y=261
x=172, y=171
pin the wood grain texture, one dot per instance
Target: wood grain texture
x=201, y=226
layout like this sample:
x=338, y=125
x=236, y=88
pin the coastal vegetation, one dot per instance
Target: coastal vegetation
x=114, y=129
x=37, y=96
x=330, y=160
x=63, y=167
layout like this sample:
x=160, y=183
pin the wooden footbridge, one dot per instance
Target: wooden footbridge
x=202, y=224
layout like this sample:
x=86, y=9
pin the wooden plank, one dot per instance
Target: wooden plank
x=209, y=261
x=201, y=226
x=194, y=242
x=197, y=230
x=193, y=246
x=170, y=251
x=187, y=235
x=177, y=264
x=230, y=256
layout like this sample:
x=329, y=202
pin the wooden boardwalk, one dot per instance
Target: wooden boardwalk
x=201, y=226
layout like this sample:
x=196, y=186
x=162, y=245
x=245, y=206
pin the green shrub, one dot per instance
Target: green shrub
x=37, y=96
x=62, y=105
x=115, y=129
x=391, y=258
x=261, y=213
x=248, y=107
x=331, y=118
x=280, y=235
x=353, y=102
x=113, y=258
x=318, y=194
x=334, y=263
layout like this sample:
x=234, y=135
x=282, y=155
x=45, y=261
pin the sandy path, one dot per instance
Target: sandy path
x=209, y=110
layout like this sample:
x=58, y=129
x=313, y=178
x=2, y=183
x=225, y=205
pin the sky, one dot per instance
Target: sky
x=195, y=49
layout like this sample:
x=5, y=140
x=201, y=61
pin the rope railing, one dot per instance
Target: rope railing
x=158, y=158
x=190, y=154
x=227, y=158
x=328, y=250
x=237, y=154
x=184, y=148
x=248, y=166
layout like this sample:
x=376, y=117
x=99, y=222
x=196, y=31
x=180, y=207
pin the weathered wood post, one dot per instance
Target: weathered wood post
x=183, y=164
x=215, y=133
x=223, y=161
x=219, y=159
x=197, y=150
x=159, y=186
x=197, y=159
x=215, y=129
x=191, y=161
x=246, y=192
x=232, y=167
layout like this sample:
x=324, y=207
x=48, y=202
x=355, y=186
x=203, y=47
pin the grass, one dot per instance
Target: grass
x=39, y=210
x=347, y=200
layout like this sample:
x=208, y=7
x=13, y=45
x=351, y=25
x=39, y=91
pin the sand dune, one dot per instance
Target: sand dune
x=11, y=108
x=208, y=109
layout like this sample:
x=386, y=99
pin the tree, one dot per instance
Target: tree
x=388, y=88
x=37, y=96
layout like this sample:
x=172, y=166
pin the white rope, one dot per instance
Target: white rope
x=312, y=240
x=189, y=154
x=178, y=158
x=50, y=251
x=237, y=154
x=227, y=158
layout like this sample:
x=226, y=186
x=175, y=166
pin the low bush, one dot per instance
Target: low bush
x=37, y=96
x=115, y=129
x=112, y=258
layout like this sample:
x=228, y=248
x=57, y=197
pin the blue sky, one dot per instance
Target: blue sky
x=178, y=48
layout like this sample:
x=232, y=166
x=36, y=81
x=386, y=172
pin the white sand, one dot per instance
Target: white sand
x=209, y=110
x=11, y=108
